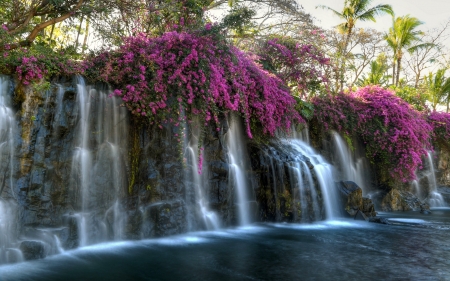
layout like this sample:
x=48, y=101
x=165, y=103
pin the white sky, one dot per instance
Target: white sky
x=432, y=12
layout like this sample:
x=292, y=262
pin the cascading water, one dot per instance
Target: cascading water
x=292, y=194
x=434, y=197
x=198, y=178
x=323, y=173
x=7, y=128
x=239, y=165
x=8, y=208
x=9, y=252
x=350, y=170
x=102, y=136
x=303, y=135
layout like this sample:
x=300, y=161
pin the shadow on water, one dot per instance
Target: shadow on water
x=413, y=247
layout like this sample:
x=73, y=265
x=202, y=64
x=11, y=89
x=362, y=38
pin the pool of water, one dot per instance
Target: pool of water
x=411, y=247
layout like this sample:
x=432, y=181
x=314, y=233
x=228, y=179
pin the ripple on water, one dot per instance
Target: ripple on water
x=405, y=220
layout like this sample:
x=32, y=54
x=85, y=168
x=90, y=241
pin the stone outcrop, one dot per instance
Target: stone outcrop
x=398, y=200
x=272, y=169
x=443, y=171
x=138, y=184
x=352, y=201
x=33, y=250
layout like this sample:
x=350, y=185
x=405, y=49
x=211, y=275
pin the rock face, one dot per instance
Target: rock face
x=397, y=200
x=443, y=173
x=86, y=172
x=82, y=170
x=33, y=250
x=276, y=176
x=353, y=202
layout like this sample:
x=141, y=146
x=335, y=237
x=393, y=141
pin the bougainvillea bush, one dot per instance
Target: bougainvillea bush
x=195, y=73
x=301, y=66
x=32, y=65
x=396, y=135
x=440, y=122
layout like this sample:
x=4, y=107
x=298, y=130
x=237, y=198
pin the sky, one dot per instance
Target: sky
x=433, y=13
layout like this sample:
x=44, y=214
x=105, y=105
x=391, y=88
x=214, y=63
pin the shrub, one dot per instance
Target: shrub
x=194, y=74
x=396, y=135
x=440, y=123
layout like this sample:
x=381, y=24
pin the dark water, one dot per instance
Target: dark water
x=414, y=247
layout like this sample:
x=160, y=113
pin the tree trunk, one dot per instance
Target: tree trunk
x=344, y=57
x=393, y=72
x=51, y=33
x=399, y=64
x=83, y=48
x=78, y=33
x=448, y=102
x=39, y=27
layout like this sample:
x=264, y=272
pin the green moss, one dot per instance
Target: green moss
x=134, y=153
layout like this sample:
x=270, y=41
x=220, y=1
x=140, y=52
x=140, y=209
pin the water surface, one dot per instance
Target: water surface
x=413, y=247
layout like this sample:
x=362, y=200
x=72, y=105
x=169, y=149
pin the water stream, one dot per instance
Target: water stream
x=323, y=172
x=351, y=167
x=99, y=149
x=239, y=165
x=434, y=197
x=9, y=251
x=197, y=175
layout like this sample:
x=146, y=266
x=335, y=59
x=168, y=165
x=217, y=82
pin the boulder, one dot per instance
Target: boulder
x=379, y=220
x=368, y=207
x=425, y=209
x=352, y=201
x=32, y=250
x=397, y=200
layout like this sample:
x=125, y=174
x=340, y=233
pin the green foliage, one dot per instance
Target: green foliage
x=411, y=95
x=376, y=76
x=305, y=108
x=437, y=87
x=239, y=19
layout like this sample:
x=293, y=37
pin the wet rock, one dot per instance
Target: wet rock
x=32, y=250
x=379, y=220
x=368, y=207
x=164, y=219
x=353, y=202
x=396, y=200
x=360, y=216
x=351, y=196
x=443, y=171
x=425, y=209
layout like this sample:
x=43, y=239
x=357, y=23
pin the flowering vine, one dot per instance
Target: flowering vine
x=197, y=73
x=440, y=122
x=301, y=66
x=396, y=135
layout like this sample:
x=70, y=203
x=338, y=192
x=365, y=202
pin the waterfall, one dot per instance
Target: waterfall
x=323, y=173
x=350, y=170
x=98, y=165
x=9, y=233
x=8, y=208
x=434, y=197
x=7, y=129
x=303, y=135
x=239, y=166
x=198, y=178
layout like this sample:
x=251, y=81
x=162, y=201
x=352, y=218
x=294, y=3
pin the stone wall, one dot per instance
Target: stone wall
x=443, y=167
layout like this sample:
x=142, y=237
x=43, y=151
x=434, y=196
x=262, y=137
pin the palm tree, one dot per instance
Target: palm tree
x=376, y=76
x=353, y=11
x=438, y=88
x=402, y=35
